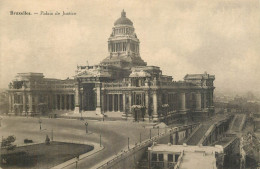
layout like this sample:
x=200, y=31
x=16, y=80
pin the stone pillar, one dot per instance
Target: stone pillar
x=36, y=102
x=124, y=100
x=108, y=102
x=77, y=99
x=70, y=102
x=65, y=102
x=155, y=107
x=113, y=102
x=30, y=104
x=103, y=102
x=24, y=104
x=182, y=101
x=13, y=103
x=56, y=101
x=10, y=103
x=118, y=101
x=130, y=105
x=124, y=106
x=61, y=101
x=205, y=100
x=98, y=106
x=198, y=101
x=147, y=104
x=83, y=99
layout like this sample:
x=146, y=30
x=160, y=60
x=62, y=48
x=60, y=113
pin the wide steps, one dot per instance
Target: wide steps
x=194, y=140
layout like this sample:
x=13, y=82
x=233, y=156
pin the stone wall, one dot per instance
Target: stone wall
x=129, y=159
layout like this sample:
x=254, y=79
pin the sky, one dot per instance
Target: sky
x=221, y=37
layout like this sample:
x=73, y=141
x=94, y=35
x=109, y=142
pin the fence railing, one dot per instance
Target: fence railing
x=145, y=143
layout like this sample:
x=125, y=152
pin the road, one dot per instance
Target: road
x=114, y=134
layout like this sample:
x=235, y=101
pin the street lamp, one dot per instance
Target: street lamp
x=40, y=122
x=100, y=140
x=86, y=124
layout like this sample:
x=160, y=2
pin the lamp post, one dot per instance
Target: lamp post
x=40, y=122
x=128, y=143
x=100, y=140
x=86, y=124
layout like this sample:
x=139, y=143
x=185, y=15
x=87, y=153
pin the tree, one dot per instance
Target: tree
x=8, y=143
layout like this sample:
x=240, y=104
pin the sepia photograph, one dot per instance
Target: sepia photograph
x=130, y=84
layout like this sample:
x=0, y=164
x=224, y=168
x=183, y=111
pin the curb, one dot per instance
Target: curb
x=96, y=149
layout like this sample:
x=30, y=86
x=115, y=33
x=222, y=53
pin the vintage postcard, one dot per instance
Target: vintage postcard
x=130, y=84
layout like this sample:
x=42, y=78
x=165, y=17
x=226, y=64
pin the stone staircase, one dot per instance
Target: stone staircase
x=196, y=137
x=238, y=123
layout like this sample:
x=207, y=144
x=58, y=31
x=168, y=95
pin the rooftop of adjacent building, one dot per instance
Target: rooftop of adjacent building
x=195, y=157
x=199, y=76
x=198, y=160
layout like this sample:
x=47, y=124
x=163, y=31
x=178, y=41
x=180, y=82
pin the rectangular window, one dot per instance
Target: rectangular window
x=154, y=157
x=160, y=157
x=176, y=157
x=170, y=158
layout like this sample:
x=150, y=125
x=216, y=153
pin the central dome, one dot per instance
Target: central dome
x=123, y=20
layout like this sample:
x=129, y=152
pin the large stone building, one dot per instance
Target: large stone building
x=122, y=82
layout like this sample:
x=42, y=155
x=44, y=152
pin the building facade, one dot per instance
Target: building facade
x=122, y=82
x=32, y=94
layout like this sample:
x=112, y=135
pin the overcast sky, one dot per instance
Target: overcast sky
x=221, y=37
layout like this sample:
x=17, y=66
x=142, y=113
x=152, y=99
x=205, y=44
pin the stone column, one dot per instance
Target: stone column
x=147, y=104
x=65, y=102
x=77, y=99
x=13, y=103
x=124, y=99
x=182, y=101
x=61, y=101
x=205, y=100
x=56, y=101
x=155, y=107
x=70, y=102
x=118, y=101
x=130, y=105
x=83, y=99
x=36, y=102
x=113, y=102
x=124, y=106
x=10, y=103
x=98, y=106
x=30, y=104
x=103, y=102
x=24, y=104
x=198, y=101
x=108, y=102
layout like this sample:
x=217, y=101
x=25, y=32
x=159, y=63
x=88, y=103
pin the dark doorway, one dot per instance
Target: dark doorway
x=89, y=97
